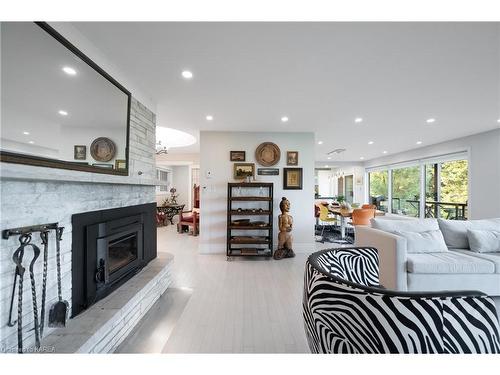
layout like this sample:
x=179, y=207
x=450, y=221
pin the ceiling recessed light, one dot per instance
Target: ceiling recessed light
x=320, y=142
x=419, y=142
x=284, y=119
x=326, y=166
x=371, y=142
x=63, y=113
x=26, y=133
x=69, y=71
x=209, y=117
x=31, y=142
x=430, y=120
x=384, y=152
x=329, y=158
x=187, y=74
x=362, y=158
x=498, y=120
x=358, y=120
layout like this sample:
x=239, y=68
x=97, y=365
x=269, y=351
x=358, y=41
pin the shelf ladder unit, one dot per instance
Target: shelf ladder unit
x=250, y=212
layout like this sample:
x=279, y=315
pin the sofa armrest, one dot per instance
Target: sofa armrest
x=392, y=254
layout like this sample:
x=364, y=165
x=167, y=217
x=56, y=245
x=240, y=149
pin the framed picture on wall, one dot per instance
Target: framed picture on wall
x=292, y=158
x=237, y=155
x=292, y=178
x=242, y=170
x=80, y=152
x=120, y=164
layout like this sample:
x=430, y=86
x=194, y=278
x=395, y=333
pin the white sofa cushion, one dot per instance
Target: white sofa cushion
x=448, y=262
x=483, y=241
x=492, y=257
x=431, y=241
x=405, y=225
x=455, y=231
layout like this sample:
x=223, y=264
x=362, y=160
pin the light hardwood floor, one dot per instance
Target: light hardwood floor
x=241, y=306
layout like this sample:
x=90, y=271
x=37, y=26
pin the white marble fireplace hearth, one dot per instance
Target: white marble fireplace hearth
x=103, y=326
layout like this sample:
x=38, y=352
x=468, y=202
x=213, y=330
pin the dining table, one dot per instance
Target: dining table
x=344, y=214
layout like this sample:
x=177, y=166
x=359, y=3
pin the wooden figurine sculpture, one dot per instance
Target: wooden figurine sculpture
x=285, y=223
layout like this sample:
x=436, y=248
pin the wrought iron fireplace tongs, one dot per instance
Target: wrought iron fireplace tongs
x=17, y=257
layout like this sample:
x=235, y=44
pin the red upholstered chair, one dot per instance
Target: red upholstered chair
x=369, y=206
x=191, y=219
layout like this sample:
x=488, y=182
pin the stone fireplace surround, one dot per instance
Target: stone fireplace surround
x=36, y=195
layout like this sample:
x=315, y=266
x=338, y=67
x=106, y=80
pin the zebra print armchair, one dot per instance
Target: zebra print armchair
x=346, y=311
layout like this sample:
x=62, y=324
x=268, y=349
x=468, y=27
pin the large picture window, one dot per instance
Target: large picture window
x=406, y=191
x=378, y=182
x=442, y=181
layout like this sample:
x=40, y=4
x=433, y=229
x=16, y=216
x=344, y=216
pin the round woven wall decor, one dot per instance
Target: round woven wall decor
x=267, y=154
x=103, y=149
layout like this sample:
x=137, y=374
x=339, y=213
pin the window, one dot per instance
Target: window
x=406, y=191
x=164, y=178
x=378, y=183
x=442, y=181
x=446, y=189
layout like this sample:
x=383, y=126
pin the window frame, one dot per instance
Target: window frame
x=421, y=163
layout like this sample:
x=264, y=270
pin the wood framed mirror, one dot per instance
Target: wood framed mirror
x=59, y=108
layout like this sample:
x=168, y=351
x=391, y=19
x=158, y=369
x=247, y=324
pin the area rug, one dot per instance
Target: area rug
x=332, y=235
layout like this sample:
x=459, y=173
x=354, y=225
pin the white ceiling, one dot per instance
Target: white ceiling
x=320, y=75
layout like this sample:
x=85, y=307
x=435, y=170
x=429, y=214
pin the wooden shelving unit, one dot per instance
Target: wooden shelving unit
x=246, y=201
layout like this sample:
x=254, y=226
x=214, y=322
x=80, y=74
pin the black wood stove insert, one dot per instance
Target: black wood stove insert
x=109, y=247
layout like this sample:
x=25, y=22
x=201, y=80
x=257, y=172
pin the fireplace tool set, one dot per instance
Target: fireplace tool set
x=59, y=311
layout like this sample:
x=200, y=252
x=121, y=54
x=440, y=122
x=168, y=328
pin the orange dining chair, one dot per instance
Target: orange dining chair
x=369, y=206
x=362, y=216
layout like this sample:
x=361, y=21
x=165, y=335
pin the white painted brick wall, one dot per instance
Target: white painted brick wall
x=34, y=195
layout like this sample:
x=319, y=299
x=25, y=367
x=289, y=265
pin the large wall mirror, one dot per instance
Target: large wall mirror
x=58, y=108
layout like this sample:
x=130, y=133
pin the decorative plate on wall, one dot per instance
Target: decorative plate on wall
x=103, y=149
x=267, y=154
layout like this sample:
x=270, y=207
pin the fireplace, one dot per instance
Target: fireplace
x=109, y=247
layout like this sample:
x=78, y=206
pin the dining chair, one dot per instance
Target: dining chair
x=369, y=206
x=325, y=218
x=191, y=219
x=362, y=216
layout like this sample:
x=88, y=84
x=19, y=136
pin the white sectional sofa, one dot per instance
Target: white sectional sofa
x=432, y=255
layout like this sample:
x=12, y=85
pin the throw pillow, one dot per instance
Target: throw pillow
x=455, y=231
x=484, y=241
x=405, y=225
x=424, y=242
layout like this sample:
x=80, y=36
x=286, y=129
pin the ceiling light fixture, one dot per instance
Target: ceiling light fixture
x=371, y=142
x=326, y=166
x=329, y=158
x=336, y=151
x=63, y=113
x=26, y=133
x=284, y=119
x=357, y=120
x=430, y=120
x=384, y=152
x=498, y=120
x=69, y=71
x=320, y=142
x=209, y=117
x=419, y=142
x=168, y=138
x=187, y=74
x=31, y=142
x=362, y=158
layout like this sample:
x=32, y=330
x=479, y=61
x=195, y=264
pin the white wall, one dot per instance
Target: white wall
x=214, y=157
x=484, y=168
x=181, y=180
